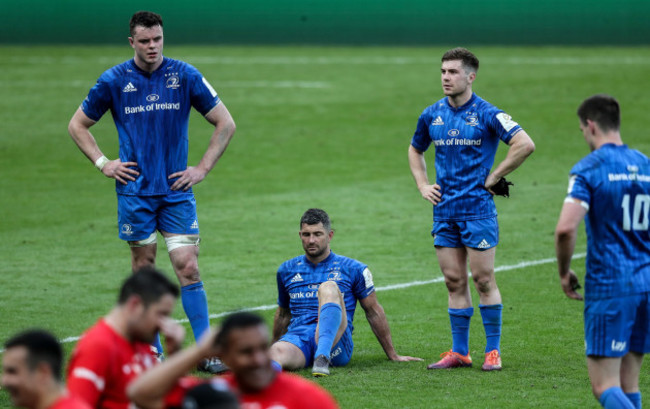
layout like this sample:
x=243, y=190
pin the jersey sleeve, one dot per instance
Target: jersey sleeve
x=283, y=295
x=503, y=125
x=421, y=139
x=89, y=369
x=202, y=96
x=363, y=284
x=99, y=99
x=579, y=188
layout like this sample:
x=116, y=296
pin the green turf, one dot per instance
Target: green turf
x=326, y=127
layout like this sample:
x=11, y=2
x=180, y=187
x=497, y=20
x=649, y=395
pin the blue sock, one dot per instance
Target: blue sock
x=460, y=318
x=156, y=344
x=614, y=398
x=195, y=304
x=276, y=366
x=635, y=398
x=491, y=315
x=329, y=322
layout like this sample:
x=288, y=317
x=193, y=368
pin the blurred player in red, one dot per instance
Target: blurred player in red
x=117, y=348
x=31, y=372
x=243, y=344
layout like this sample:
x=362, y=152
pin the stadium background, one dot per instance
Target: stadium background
x=326, y=96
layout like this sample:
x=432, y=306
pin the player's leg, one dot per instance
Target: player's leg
x=481, y=238
x=608, y=327
x=287, y=355
x=177, y=221
x=452, y=258
x=639, y=345
x=136, y=217
x=604, y=374
x=630, y=370
x=332, y=322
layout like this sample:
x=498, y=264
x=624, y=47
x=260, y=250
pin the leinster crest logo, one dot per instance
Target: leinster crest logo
x=173, y=82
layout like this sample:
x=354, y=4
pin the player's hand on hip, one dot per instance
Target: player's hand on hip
x=121, y=171
x=187, y=178
x=570, y=284
x=405, y=358
x=490, y=181
x=174, y=334
x=431, y=193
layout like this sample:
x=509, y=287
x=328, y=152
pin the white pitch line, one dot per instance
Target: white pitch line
x=523, y=264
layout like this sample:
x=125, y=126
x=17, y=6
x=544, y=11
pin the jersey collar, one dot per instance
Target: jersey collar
x=465, y=105
x=147, y=73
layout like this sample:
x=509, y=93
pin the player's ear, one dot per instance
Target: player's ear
x=131, y=41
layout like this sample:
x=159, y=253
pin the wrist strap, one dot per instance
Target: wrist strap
x=101, y=162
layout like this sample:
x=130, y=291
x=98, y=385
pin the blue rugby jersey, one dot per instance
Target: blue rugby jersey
x=151, y=114
x=614, y=181
x=298, y=280
x=466, y=140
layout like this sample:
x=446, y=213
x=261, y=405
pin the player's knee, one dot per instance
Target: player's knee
x=190, y=272
x=328, y=288
x=455, y=283
x=483, y=284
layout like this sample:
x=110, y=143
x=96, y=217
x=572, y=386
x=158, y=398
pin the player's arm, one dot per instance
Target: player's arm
x=79, y=129
x=149, y=390
x=379, y=325
x=573, y=211
x=419, y=171
x=88, y=372
x=521, y=147
x=281, y=322
x=224, y=128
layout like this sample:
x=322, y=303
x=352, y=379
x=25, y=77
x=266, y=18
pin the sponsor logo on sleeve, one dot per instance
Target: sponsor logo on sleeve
x=572, y=181
x=506, y=121
x=209, y=87
x=367, y=275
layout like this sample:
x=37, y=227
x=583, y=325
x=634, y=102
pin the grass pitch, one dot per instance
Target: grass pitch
x=318, y=127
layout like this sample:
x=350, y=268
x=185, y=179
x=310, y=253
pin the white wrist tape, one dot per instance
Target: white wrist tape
x=101, y=162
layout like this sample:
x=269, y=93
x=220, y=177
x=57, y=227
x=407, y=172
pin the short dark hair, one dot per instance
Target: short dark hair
x=238, y=320
x=469, y=60
x=603, y=109
x=315, y=216
x=42, y=347
x=149, y=284
x=145, y=19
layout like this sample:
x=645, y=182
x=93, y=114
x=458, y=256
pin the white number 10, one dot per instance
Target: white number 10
x=640, y=213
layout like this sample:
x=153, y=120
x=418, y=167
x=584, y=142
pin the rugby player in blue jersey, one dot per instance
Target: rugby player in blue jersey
x=611, y=186
x=150, y=98
x=317, y=297
x=466, y=130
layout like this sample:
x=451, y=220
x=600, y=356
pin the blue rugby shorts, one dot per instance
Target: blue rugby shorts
x=140, y=216
x=614, y=326
x=479, y=234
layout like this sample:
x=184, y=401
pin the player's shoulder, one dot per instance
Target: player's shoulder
x=347, y=262
x=584, y=165
x=179, y=66
x=118, y=71
x=436, y=108
x=98, y=337
x=292, y=264
x=483, y=106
